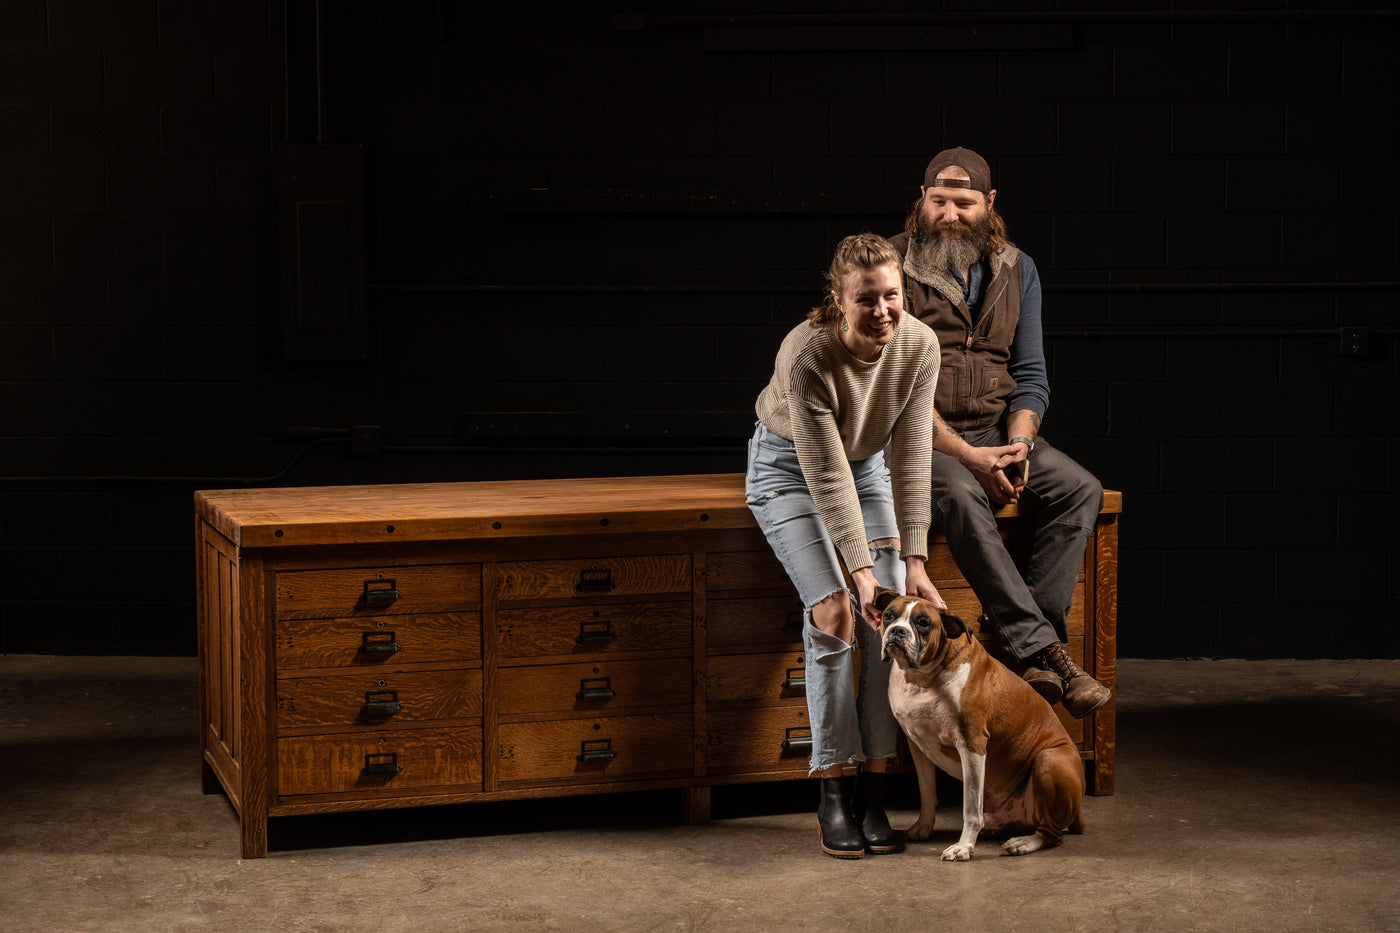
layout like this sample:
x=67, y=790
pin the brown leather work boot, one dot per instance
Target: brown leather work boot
x=1046, y=683
x=1083, y=694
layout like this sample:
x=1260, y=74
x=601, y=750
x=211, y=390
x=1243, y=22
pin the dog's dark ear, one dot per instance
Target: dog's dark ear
x=954, y=626
x=883, y=597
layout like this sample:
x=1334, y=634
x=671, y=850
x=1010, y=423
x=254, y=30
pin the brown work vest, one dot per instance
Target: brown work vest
x=973, y=381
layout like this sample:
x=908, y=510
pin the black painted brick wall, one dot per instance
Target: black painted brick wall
x=583, y=238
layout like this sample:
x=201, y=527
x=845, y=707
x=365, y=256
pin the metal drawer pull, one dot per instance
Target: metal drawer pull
x=381, y=592
x=793, y=625
x=382, y=764
x=595, y=580
x=798, y=743
x=597, y=632
x=798, y=683
x=593, y=751
x=378, y=643
x=595, y=688
x=381, y=703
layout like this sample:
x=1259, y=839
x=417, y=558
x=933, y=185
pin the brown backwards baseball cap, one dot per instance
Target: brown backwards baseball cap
x=979, y=175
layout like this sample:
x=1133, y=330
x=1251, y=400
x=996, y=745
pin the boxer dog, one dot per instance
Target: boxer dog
x=965, y=712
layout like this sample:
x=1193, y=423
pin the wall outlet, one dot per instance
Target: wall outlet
x=1356, y=342
x=364, y=440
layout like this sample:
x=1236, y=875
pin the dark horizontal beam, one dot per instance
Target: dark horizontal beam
x=635, y=22
x=857, y=37
x=711, y=287
x=575, y=201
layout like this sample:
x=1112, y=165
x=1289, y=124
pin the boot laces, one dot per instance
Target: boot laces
x=1061, y=663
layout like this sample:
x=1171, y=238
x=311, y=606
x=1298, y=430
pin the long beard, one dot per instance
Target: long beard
x=950, y=247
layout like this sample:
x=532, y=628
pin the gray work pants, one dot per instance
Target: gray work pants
x=1026, y=612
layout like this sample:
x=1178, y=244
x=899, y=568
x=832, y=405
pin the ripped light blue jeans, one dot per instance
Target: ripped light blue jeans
x=846, y=727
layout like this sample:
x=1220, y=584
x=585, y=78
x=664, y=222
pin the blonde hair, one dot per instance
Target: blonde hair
x=863, y=251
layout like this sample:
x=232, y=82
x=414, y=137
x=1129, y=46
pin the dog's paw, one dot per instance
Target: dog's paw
x=1024, y=845
x=957, y=853
x=919, y=831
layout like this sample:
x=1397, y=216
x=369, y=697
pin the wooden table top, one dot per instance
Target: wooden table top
x=313, y=515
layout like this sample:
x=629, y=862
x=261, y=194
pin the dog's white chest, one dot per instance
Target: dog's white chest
x=929, y=712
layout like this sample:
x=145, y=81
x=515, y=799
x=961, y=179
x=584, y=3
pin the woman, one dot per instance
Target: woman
x=856, y=377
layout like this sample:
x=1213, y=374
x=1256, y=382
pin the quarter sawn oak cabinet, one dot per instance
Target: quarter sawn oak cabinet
x=368, y=647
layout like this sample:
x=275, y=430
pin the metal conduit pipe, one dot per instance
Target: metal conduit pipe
x=721, y=289
x=643, y=21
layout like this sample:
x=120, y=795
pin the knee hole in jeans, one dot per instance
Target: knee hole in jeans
x=835, y=610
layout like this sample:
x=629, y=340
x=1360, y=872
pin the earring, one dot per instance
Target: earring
x=845, y=325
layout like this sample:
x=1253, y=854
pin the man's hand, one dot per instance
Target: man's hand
x=988, y=465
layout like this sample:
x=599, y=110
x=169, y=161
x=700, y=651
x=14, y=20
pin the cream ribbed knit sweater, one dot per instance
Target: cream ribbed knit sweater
x=836, y=409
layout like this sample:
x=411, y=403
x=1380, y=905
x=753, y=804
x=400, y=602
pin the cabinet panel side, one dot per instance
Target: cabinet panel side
x=217, y=608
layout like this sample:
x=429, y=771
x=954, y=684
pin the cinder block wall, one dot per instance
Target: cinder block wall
x=586, y=234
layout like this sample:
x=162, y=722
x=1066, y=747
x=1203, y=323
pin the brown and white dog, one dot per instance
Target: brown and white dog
x=965, y=712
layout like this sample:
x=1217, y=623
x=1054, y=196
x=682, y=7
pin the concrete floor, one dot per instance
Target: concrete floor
x=1251, y=796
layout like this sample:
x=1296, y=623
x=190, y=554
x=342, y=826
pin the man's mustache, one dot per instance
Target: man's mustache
x=954, y=228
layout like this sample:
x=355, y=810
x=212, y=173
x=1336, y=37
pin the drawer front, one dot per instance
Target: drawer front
x=746, y=678
x=773, y=622
x=584, y=749
x=941, y=567
x=359, y=591
x=963, y=602
x=1074, y=621
x=607, y=629
x=761, y=570
x=388, y=761
x=775, y=738
x=381, y=698
x=364, y=642
x=1075, y=728
x=593, y=578
x=744, y=570
x=603, y=686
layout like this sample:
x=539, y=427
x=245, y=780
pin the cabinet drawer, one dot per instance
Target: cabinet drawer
x=606, y=685
x=1075, y=727
x=744, y=570
x=585, y=749
x=590, y=578
x=448, y=636
x=757, y=678
x=385, y=698
x=941, y=567
x=566, y=630
x=963, y=602
x=389, y=761
x=763, y=622
x=378, y=590
x=774, y=738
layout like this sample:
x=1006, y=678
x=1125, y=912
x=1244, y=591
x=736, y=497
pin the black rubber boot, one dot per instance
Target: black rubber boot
x=837, y=829
x=875, y=827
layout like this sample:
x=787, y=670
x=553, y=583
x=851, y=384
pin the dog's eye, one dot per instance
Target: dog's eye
x=889, y=615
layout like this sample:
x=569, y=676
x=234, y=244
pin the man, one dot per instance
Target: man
x=981, y=295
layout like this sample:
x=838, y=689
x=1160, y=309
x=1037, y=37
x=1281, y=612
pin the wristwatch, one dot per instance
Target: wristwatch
x=1030, y=444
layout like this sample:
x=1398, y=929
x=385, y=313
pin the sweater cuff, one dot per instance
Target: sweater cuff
x=856, y=555
x=913, y=541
